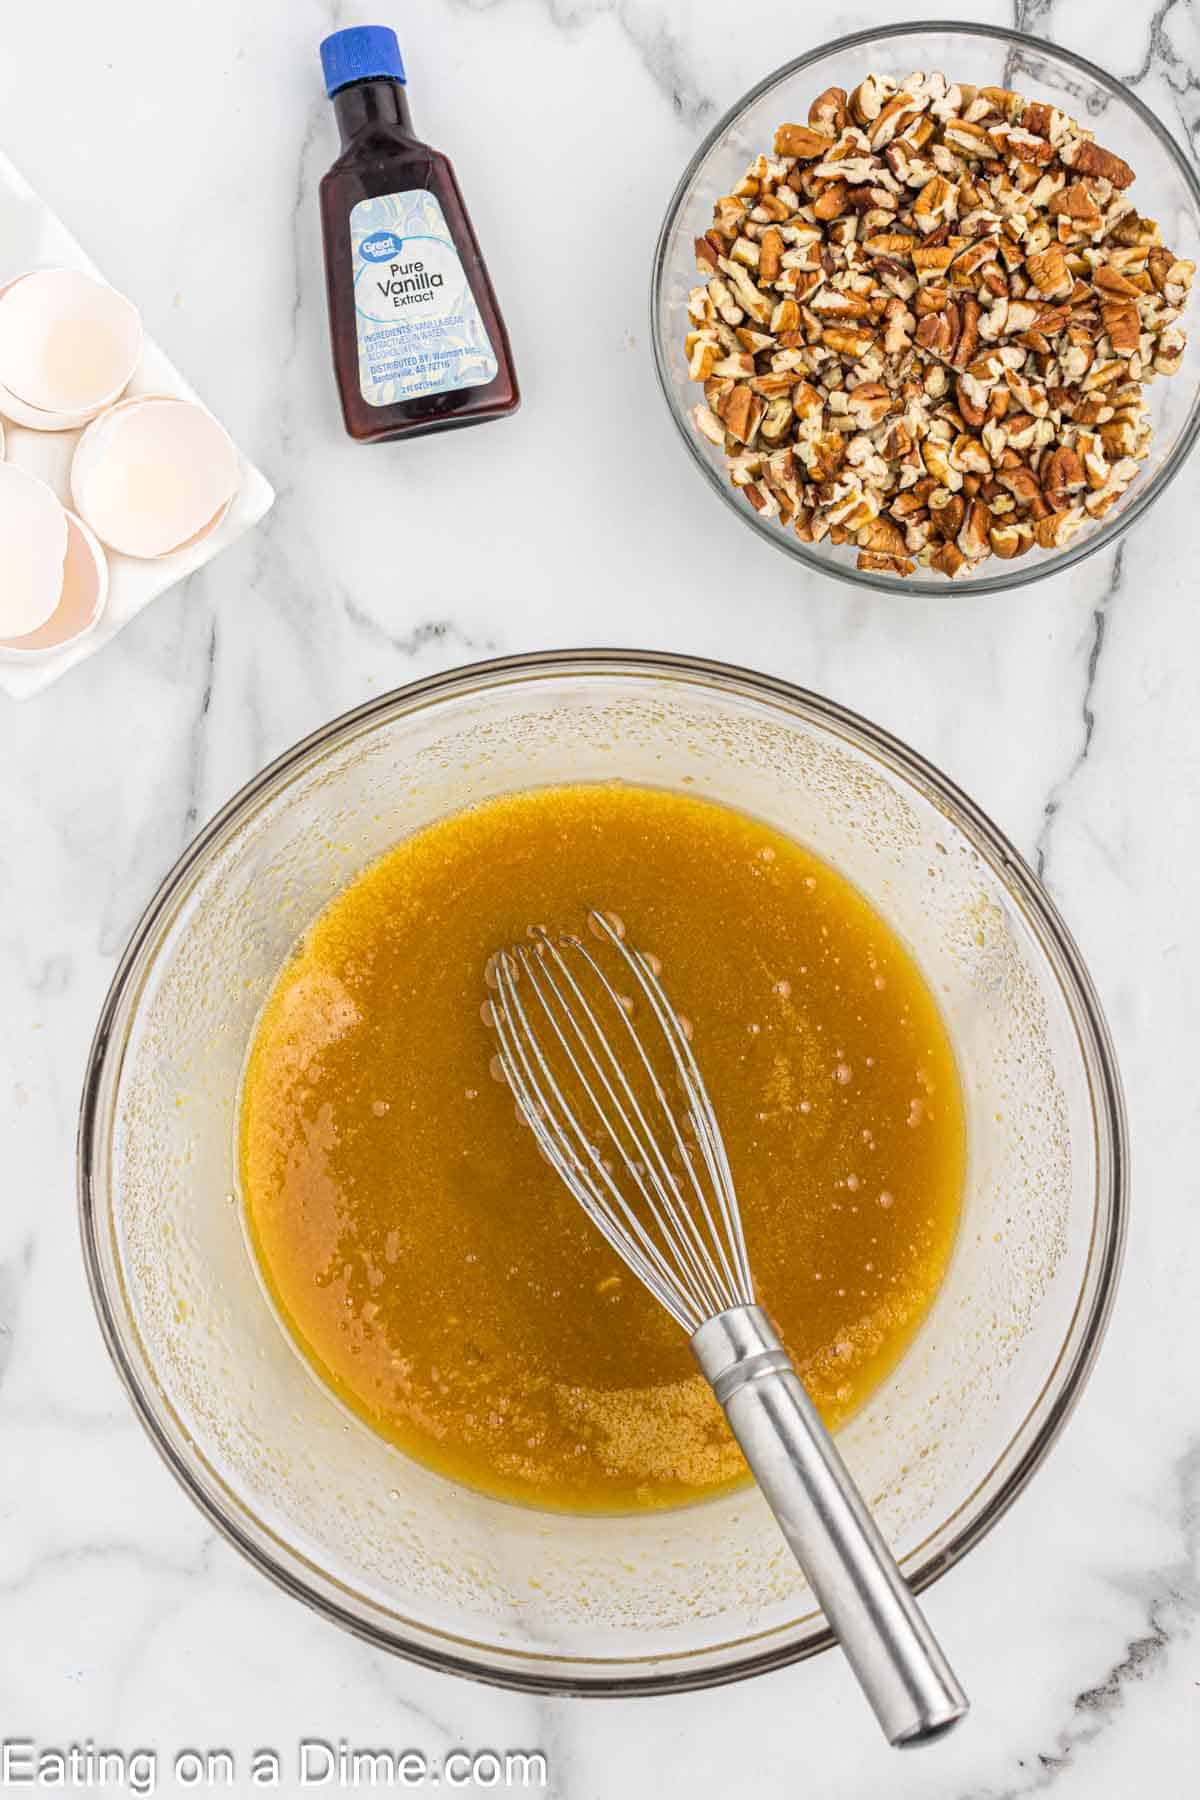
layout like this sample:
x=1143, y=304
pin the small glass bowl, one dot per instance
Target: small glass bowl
x=1166, y=188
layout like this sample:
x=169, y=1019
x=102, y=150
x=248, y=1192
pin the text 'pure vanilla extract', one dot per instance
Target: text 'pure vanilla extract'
x=418, y=341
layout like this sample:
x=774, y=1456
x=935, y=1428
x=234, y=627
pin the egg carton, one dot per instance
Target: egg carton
x=33, y=237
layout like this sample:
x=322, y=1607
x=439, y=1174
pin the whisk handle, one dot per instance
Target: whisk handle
x=899, y=1664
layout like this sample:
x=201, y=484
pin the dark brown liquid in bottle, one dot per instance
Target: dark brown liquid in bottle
x=381, y=156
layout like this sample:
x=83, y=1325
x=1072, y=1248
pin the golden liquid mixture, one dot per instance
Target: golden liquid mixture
x=432, y=1266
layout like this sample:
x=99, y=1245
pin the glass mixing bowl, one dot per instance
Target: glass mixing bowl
x=406, y=1558
x=1166, y=187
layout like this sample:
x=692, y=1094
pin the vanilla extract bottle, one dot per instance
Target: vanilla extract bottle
x=418, y=341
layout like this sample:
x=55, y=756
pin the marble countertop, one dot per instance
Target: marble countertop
x=183, y=146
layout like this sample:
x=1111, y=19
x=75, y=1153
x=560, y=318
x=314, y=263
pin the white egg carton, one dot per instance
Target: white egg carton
x=32, y=237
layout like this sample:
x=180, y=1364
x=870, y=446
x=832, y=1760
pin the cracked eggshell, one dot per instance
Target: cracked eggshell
x=33, y=551
x=11, y=408
x=34, y=419
x=69, y=345
x=153, y=475
x=81, y=601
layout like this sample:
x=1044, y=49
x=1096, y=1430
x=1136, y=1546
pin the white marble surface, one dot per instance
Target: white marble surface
x=183, y=144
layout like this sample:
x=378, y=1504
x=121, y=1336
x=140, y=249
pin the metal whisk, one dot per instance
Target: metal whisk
x=621, y=1112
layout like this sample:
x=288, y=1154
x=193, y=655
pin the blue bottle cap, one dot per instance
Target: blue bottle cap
x=360, y=54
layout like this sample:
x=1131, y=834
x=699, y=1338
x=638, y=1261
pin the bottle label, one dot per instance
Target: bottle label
x=419, y=328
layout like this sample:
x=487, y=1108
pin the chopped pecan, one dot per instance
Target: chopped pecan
x=947, y=512
x=848, y=340
x=770, y=254
x=882, y=535
x=934, y=333
x=840, y=303
x=1045, y=120
x=931, y=260
x=866, y=102
x=702, y=357
x=1011, y=538
x=1061, y=476
x=936, y=204
x=1108, y=277
x=1087, y=157
x=1056, y=528
x=973, y=539
x=1077, y=203
x=724, y=302
x=885, y=564
x=1049, y=273
x=706, y=256
x=899, y=323
x=806, y=401
x=868, y=404
x=1169, y=352
x=1021, y=483
x=802, y=141
x=1026, y=146
x=746, y=294
x=969, y=456
x=832, y=202
x=828, y=114
x=708, y=425
x=1122, y=325
x=1004, y=101
x=740, y=412
x=969, y=139
x=948, y=559
x=777, y=420
x=968, y=337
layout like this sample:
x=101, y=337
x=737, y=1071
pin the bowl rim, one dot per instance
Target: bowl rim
x=1021, y=573
x=519, y=1670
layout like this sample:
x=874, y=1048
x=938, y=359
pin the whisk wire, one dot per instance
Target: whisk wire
x=680, y=1231
x=638, y=1156
x=554, y=1125
x=678, y=1225
x=703, y=1122
x=641, y=1158
x=701, y=1253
